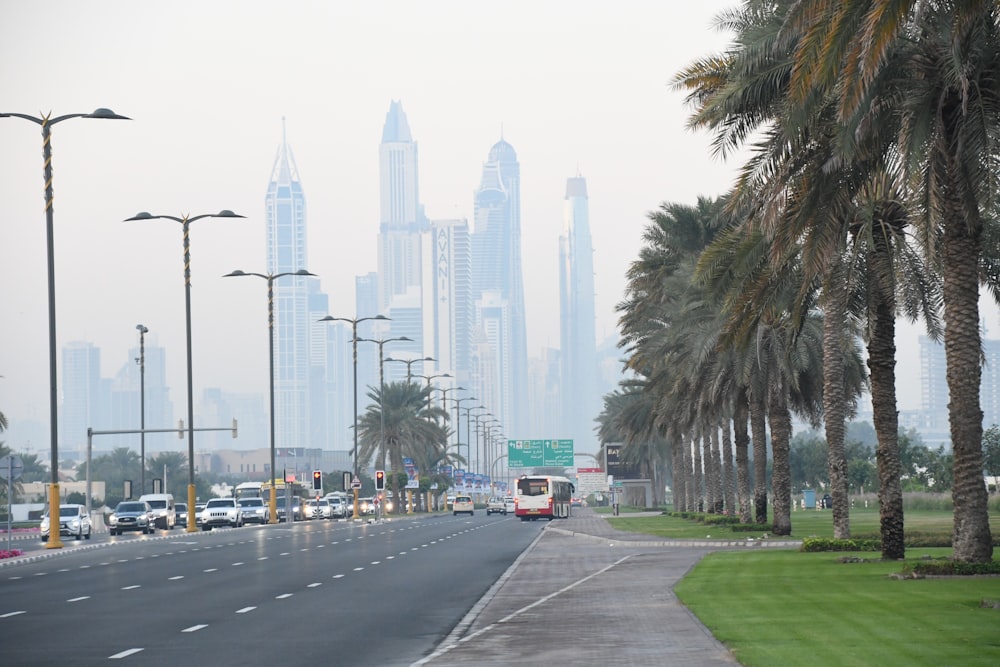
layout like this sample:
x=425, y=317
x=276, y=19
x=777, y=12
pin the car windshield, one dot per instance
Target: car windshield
x=463, y=499
x=251, y=502
x=67, y=510
x=180, y=507
x=220, y=502
x=157, y=504
x=323, y=503
x=131, y=507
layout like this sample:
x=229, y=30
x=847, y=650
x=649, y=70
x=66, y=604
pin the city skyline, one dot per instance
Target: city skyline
x=585, y=91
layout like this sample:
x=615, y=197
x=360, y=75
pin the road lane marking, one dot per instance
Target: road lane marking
x=124, y=654
x=338, y=576
x=129, y=588
x=211, y=569
x=179, y=576
x=82, y=597
x=12, y=613
x=235, y=564
x=195, y=628
x=283, y=596
x=262, y=558
x=314, y=585
x=245, y=610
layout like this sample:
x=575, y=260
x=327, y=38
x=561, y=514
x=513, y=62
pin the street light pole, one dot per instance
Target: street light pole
x=185, y=222
x=458, y=422
x=270, y=278
x=46, y=123
x=409, y=363
x=142, y=407
x=354, y=344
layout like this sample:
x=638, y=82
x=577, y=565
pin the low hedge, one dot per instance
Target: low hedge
x=950, y=568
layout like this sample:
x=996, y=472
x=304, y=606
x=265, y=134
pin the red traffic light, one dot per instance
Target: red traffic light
x=317, y=480
x=379, y=480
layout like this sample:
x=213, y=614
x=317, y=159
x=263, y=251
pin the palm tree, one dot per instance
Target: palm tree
x=412, y=428
x=936, y=67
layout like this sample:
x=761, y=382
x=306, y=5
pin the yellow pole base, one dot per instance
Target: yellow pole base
x=192, y=525
x=54, y=541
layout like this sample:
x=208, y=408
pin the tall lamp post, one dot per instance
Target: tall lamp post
x=409, y=364
x=381, y=390
x=185, y=222
x=354, y=344
x=47, y=122
x=429, y=378
x=483, y=416
x=468, y=432
x=142, y=407
x=458, y=422
x=270, y=278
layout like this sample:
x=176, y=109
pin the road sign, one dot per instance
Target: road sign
x=356, y=482
x=11, y=467
x=539, y=453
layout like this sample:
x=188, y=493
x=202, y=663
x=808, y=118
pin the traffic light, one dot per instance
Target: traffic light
x=317, y=480
x=379, y=480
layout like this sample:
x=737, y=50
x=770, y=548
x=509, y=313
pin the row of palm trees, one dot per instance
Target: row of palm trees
x=868, y=191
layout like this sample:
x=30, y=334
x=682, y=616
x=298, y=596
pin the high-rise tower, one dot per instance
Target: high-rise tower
x=496, y=252
x=401, y=218
x=581, y=399
x=285, y=212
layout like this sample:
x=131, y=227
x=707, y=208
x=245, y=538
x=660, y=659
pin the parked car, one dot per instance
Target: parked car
x=254, y=510
x=73, y=522
x=463, y=505
x=221, y=512
x=495, y=505
x=182, y=514
x=131, y=515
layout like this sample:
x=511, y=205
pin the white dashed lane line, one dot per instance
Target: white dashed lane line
x=129, y=588
x=195, y=628
x=12, y=613
x=245, y=610
x=283, y=596
x=124, y=654
x=82, y=597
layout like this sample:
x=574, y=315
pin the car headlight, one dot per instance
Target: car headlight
x=74, y=523
x=113, y=520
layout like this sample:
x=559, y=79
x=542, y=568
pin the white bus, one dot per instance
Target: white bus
x=248, y=490
x=543, y=497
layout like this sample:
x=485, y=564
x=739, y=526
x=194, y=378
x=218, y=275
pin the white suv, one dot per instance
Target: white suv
x=221, y=512
x=73, y=521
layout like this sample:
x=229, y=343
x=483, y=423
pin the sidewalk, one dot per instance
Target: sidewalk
x=585, y=593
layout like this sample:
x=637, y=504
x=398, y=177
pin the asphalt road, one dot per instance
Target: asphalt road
x=320, y=592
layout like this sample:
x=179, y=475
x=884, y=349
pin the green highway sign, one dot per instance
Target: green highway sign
x=539, y=453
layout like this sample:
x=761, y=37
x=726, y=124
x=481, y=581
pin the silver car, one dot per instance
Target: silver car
x=132, y=515
x=73, y=522
x=254, y=510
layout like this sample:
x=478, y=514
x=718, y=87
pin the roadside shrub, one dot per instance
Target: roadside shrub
x=816, y=544
x=950, y=568
x=751, y=527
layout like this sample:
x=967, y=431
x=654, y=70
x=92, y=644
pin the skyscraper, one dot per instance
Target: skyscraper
x=285, y=214
x=448, y=313
x=581, y=399
x=496, y=252
x=81, y=395
x=401, y=218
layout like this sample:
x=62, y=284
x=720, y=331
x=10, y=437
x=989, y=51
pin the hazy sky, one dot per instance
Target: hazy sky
x=576, y=87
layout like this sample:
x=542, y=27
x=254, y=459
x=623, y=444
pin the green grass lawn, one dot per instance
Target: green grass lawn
x=790, y=608
x=805, y=523
x=785, y=607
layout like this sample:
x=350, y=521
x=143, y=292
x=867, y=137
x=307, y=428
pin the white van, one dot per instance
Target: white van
x=164, y=512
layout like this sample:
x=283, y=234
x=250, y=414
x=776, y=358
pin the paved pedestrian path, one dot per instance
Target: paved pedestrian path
x=585, y=594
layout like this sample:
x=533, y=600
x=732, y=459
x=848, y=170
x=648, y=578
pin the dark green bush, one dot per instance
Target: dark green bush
x=950, y=568
x=814, y=544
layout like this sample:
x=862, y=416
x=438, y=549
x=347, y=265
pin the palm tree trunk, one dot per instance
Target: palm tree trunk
x=677, y=478
x=741, y=440
x=781, y=477
x=719, y=502
x=710, y=442
x=758, y=429
x=699, y=474
x=835, y=398
x=961, y=249
x=728, y=474
x=882, y=368
x=689, y=489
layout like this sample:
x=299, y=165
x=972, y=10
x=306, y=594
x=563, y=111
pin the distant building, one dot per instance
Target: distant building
x=83, y=406
x=579, y=389
x=498, y=283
